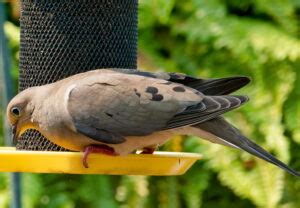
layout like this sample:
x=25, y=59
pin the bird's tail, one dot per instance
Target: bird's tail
x=224, y=133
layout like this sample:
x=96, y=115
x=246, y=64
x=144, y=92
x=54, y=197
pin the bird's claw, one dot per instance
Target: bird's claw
x=101, y=149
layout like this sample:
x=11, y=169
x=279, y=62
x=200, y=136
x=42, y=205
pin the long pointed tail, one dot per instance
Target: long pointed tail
x=227, y=134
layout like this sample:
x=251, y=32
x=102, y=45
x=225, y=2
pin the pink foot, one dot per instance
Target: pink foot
x=148, y=150
x=102, y=149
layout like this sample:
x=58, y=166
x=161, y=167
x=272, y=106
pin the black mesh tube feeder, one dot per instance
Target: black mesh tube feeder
x=63, y=38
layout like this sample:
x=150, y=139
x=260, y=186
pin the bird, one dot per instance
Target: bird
x=119, y=111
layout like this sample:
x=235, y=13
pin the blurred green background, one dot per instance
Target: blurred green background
x=215, y=38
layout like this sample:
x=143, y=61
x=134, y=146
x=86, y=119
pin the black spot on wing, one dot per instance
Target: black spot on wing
x=157, y=97
x=179, y=89
x=152, y=90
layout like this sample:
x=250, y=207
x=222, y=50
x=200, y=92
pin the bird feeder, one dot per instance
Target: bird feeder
x=63, y=38
x=160, y=163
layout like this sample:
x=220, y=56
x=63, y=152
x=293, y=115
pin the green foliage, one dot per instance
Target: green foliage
x=4, y=190
x=258, y=39
x=13, y=35
x=213, y=38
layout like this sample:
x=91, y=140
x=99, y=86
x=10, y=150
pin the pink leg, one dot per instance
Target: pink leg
x=102, y=149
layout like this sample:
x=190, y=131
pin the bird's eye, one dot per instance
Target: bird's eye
x=16, y=111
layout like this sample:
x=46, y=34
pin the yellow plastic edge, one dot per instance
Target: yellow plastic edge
x=158, y=164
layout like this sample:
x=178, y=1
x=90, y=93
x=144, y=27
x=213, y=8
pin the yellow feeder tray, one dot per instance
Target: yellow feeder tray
x=160, y=163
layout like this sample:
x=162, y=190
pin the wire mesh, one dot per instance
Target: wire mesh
x=63, y=38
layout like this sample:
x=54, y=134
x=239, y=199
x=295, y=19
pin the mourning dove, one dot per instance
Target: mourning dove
x=117, y=112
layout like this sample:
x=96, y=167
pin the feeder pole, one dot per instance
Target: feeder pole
x=7, y=88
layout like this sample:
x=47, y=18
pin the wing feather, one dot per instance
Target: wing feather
x=109, y=108
x=214, y=106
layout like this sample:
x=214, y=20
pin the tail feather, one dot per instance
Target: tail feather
x=227, y=133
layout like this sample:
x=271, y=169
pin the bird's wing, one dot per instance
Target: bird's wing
x=218, y=86
x=210, y=107
x=108, y=106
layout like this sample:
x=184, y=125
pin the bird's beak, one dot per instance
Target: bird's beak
x=15, y=133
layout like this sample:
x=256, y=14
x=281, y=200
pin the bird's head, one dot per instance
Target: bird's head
x=19, y=112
